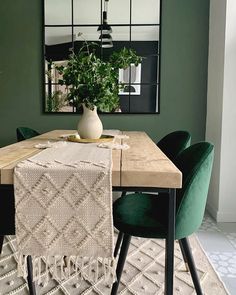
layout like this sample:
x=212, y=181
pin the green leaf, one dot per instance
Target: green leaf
x=93, y=81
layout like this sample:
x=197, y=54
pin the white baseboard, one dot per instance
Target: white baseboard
x=221, y=216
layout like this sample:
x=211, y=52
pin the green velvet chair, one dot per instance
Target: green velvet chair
x=174, y=143
x=23, y=133
x=145, y=215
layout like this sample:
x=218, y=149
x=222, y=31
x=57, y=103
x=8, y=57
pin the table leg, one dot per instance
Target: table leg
x=1, y=243
x=7, y=210
x=169, y=255
x=31, y=284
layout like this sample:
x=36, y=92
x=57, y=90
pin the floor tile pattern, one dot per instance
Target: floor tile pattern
x=219, y=242
x=224, y=262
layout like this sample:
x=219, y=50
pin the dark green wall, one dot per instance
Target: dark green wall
x=183, y=73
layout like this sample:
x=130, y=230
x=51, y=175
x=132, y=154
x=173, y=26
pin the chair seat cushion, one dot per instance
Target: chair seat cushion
x=142, y=215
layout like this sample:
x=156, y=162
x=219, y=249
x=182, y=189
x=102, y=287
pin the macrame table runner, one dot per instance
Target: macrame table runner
x=63, y=200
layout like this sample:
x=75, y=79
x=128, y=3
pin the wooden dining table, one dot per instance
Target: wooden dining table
x=142, y=167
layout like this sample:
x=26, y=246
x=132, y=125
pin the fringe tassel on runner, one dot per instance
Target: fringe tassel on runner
x=64, y=267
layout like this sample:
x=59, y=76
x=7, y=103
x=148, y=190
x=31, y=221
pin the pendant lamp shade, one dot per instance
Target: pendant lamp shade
x=107, y=44
x=105, y=29
x=105, y=37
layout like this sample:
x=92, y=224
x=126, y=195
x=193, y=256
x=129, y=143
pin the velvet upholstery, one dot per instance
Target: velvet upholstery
x=174, y=143
x=145, y=215
x=23, y=133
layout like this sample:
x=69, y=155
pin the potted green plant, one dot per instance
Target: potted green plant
x=93, y=83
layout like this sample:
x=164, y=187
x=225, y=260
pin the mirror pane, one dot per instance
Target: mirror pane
x=88, y=34
x=58, y=43
x=87, y=12
x=58, y=35
x=135, y=27
x=124, y=104
x=149, y=66
x=146, y=14
x=120, y=33
x=56, y=99
x=58, y=12
x=118, y=12
x=145, y=33
x=146, y=101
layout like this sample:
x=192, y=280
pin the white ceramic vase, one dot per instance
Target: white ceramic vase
x=90, y=125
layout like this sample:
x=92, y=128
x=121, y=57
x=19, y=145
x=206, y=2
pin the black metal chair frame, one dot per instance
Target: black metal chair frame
x=123, y=242
x=185, y=249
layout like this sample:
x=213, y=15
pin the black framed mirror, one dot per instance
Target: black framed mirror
x=134, y=24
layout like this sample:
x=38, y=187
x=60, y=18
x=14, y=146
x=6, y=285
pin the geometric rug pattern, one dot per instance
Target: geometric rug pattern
x=143, y=273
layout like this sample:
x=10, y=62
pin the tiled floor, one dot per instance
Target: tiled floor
x=219, y=242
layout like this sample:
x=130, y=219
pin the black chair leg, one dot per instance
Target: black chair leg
x=31, y=284
x=184, y=256
x=121, y=262
x=120, y=235
x=1, y=243
x=118, y=243
x=188, y=254
x=123, y=194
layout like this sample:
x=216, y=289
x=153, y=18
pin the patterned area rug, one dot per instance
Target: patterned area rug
x=143, y=273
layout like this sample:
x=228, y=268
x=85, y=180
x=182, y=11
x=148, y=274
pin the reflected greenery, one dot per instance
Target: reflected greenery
x=93, y=81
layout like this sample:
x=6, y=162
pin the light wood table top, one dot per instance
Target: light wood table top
x=142, y=165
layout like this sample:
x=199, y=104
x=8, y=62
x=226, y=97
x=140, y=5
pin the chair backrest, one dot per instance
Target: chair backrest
x=174, y=143
x=196, y=165
x=23, y=133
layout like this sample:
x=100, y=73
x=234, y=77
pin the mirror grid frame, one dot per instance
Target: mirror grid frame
x=130, y=25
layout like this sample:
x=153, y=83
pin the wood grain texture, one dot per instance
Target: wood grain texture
x=142, y=165
x=13, y=154
x=116, y=166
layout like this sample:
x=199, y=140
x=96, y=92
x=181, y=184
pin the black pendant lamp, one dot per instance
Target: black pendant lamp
x=105, y=29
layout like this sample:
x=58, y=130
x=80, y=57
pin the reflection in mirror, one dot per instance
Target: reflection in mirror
x=86, y=12
x=134, y=24
x=57, y=12
x=147, y=12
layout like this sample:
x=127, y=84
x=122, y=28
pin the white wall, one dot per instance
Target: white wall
x=221, y=108
x=227, y=200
